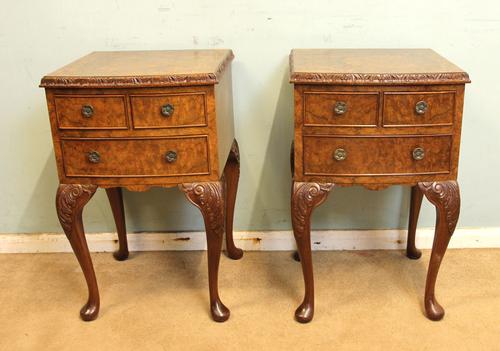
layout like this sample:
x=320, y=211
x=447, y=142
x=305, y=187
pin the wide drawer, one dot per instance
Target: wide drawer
x=418, y=109
x=91, y=112
x=158, y=157
x=392, y=155
x=168, y=110
x=348, y=109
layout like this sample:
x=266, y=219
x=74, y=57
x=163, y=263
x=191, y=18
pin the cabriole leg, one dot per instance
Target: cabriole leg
x=415, y=203
x=70, y=201
x=305, y=198
x=209, y=198
x=231, y=176
x=116, y=201
x=445, y=196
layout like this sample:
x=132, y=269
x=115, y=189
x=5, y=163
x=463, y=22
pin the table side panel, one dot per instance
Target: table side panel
x=457, y=129
x=49, y=96
x=225, y=117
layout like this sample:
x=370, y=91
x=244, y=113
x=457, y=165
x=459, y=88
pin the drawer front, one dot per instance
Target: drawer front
x=341, y=109
x=168, y=110
x=356, y=156
x=91, y=112
x=159, y=157
x=418, y=109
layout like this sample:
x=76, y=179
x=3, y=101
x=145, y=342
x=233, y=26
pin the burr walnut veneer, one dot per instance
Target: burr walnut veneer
x=140, y=119
x=376, y=118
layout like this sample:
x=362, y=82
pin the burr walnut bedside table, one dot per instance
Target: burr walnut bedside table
x=140, y=119
x=376, y=118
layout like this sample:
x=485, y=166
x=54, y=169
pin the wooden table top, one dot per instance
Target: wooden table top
x=103, y=69
x=373, y=66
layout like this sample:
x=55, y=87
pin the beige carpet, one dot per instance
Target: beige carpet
x=369, y=300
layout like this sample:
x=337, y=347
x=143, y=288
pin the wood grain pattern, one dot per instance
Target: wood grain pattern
x=225, y=120
x=215, y=142
x=129, y=137
x=362, y=109
x=136, y=157
x=128, y=69
x=372, y=67
x=366, y=156
x=189, y=110
x=301, y=90
x=377, y=152
x=109, y=112
x=399, y=109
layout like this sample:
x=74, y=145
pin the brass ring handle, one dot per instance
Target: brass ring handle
x=170, y=156
x=418, y=153
x=340, y=107
x=94, y=157
x=87, y=111
x=340, y=154
x=421, y=107
x=167, y=110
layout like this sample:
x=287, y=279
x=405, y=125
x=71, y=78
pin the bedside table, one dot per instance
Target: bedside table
x=140, y=119
x=375, y=118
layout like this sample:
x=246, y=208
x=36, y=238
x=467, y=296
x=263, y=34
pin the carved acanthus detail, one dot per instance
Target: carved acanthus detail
x=445, y=196
x=70, y=198
x=386, y=78
x=235, y=151
x=305, y=197
x=128, y=82
x=208, y=197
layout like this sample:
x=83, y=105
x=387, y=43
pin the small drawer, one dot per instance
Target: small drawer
x=365, y=156
x=352, y=109
x=159, y=157
x=418, y=109
x=168, y=110
x=91, y=112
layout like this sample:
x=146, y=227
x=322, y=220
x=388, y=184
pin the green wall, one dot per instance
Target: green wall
x=37, y=37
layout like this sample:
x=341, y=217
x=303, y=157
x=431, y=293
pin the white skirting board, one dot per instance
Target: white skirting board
x=252, y=241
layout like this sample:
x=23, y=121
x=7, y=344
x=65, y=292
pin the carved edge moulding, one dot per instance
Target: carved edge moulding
x=137, y=81
x=377, y=78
